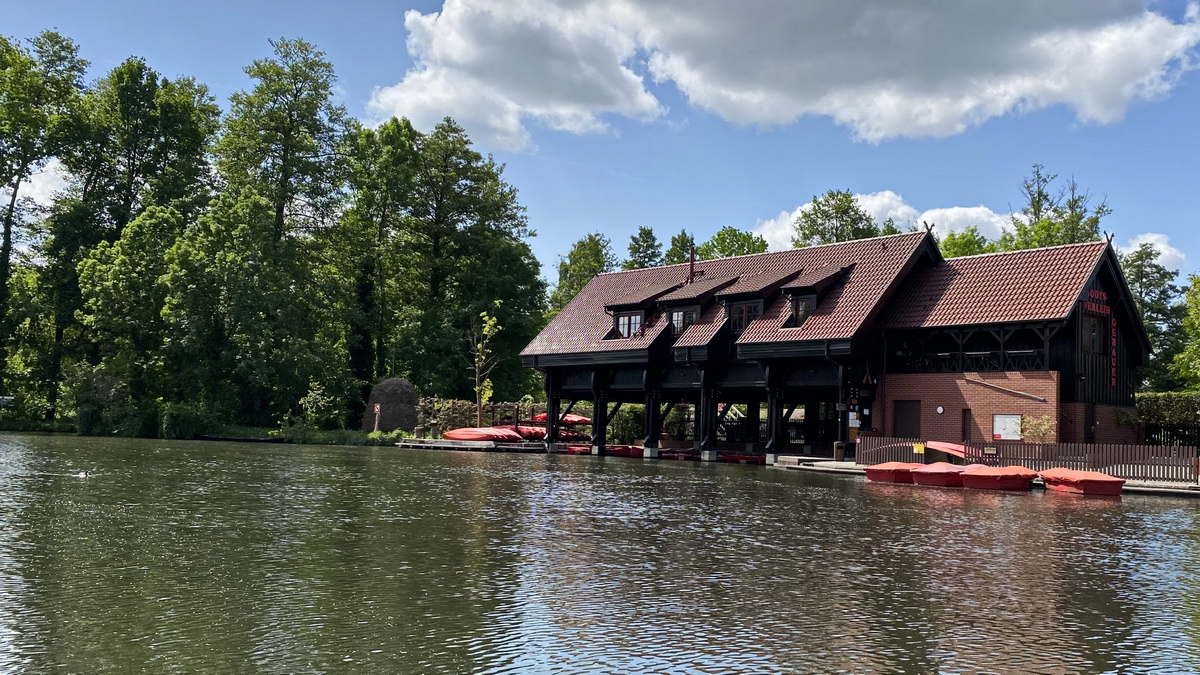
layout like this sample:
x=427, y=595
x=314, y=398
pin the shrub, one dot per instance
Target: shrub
x=1173, y=407
x=184, y=420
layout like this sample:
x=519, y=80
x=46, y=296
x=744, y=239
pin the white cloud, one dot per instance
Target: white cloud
x=1168, y=256
x=882, y=68
x=42, y=185
x=888, y=204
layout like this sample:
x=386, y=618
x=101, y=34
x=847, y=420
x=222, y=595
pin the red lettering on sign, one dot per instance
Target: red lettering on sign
x=1113, y=354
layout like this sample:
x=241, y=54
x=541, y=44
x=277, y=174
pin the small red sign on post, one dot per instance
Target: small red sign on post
x=376, y=408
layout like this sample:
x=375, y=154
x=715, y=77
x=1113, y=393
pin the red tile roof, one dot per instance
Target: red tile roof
x=699, y=333
x=1029, y=285
x=581, y=326
x=816, y=277
x=697, y=290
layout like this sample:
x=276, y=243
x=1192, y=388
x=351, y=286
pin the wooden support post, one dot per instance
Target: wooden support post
x=775, y=440
x=552, y=419
x=753, y=412
x=651, y=421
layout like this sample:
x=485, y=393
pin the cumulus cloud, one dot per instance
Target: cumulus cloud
x=888, y=204
x=1168, y=256
x=42, y=185
x=881, y=68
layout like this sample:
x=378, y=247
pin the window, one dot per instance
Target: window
x=682, y=318
x=802, y=308
x=1093, y=334
x=740, y=315
x=628, y=324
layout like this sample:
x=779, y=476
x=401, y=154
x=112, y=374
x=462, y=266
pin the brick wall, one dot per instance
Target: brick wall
x=954, y=393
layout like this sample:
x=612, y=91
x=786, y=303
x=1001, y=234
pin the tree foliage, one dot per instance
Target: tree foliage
x=730, y=241
x=833, y=217
x=966, y=242
x=644, y=250
x=587, y=258
x=680, y=250
x=1053, y=216
x=1158, y=302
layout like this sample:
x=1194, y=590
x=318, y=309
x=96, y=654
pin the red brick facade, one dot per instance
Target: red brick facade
x=1010, y=393
x=956, y=392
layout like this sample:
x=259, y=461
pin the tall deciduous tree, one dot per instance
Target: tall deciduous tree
x=383, y=163
x=464, y=242
x=644, y=250
x=1053, y=216
x=587, y=258
x=281, y=138
x=39, y=86
x=833, y=217
x=1157, y=299
x=730, y=241
x=680, y=250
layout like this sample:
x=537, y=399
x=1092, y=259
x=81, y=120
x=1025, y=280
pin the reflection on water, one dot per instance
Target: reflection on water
x=222, y=558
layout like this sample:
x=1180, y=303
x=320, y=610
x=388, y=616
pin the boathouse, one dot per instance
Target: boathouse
x=874, y=336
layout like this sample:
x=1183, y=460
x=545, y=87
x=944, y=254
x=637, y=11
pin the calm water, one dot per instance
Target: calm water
x=200, y=557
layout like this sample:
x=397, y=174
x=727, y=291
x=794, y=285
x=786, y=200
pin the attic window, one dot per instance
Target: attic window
x=628, y=323
x=742, y=313
x=803, y=307
x=682, y=318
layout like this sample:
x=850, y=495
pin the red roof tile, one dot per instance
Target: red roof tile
x=699, y=333
x=1029, y=285
x=697, y=290
x=582, y=325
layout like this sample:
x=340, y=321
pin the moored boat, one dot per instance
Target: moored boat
x=1082, y=482
x=892, y=472
x=941, y=474
x=999, y=478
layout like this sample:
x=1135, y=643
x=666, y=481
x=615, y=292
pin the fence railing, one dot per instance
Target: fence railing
x=1173, y=434
x=1165, y=464
x=877, y=449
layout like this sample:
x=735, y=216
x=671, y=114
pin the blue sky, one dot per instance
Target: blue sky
x=698, y=114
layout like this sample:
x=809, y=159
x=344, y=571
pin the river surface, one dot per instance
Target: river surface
x=214, y=558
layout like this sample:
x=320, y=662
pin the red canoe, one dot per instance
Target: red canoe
x=495, y=434
x=569, y=418
x=892, y=472
x=1082, y=482
x=999, y=478
x=941, y=474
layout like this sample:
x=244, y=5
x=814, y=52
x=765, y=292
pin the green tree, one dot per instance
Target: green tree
x=680, y=250
x=39, y=86
x=966, y=242
x=730, y=241
x=1157, y=299
x=587, y=258
x=464, y=245
x=1052, y=217
x=382, y=167
x=644, y=250
x=833, y=217
x=483, y=358
x=123, y=297
x=281, y=138
x=1186, y=364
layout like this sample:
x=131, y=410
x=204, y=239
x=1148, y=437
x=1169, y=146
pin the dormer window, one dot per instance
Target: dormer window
x=628, y=323
x=742, y=313
x=682, y=318
x=803, y=307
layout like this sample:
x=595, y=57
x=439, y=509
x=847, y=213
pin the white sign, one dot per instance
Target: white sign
x=1006, y=427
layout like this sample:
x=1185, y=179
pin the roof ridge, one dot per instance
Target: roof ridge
x=795, y=248
x=1027, y=250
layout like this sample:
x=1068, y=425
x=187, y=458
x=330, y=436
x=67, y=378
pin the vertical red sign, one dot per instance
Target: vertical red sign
x=1113, y=352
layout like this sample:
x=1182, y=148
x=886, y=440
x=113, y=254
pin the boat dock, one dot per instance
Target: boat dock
x=816, y=465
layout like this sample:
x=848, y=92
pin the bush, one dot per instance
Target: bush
x=1173, y=407
x=183, y=420
x=626, y=426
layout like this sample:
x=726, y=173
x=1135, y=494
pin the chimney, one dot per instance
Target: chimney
x=692, y=265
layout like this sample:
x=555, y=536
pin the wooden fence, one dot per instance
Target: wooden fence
x=1174, y=464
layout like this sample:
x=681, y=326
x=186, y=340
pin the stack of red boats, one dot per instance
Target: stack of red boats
x=981, y=477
